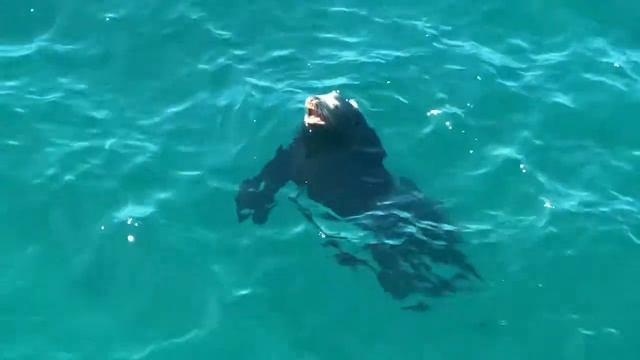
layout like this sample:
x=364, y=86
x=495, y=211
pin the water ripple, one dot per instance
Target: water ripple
x=162, y=345
x=483, y=52
x=340, y=37
x=218, y=33
x=140, y=211
x=605, y=80
x=552, y=58
x=348, y=10
x=151, y=114
x=20, y=50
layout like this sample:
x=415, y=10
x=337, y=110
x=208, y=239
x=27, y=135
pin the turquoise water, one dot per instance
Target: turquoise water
x=126, y=127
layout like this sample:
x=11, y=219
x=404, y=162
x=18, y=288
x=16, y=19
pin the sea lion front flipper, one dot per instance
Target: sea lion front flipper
x=253, y=202
x=256, y=195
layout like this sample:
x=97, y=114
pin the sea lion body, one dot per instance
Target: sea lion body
x=338, y=159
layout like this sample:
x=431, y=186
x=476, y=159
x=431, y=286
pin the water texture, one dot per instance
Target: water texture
x=126, y=127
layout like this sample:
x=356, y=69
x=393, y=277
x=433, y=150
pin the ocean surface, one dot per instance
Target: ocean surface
x=127, y=126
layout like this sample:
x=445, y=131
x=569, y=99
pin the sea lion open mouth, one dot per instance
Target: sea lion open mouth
x=313, y=116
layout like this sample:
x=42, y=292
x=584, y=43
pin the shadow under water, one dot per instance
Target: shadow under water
x=412, y=248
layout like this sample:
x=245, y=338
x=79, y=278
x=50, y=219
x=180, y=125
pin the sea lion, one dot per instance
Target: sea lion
x=338, y=159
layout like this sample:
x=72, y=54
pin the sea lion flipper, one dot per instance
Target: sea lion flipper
x=256, y=195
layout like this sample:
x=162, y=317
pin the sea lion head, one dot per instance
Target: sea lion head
x=331, y=113
x=333, y=124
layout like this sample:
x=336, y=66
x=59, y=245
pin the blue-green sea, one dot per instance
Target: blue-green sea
x=126, y=128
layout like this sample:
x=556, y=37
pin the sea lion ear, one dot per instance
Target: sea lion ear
x=354, y=103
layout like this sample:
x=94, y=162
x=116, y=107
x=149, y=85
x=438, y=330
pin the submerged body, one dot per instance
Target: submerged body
x=337, y=158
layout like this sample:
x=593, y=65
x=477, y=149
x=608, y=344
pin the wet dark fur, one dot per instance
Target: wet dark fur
x=341, y=167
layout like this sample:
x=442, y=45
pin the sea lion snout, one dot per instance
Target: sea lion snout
x=313, y=115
